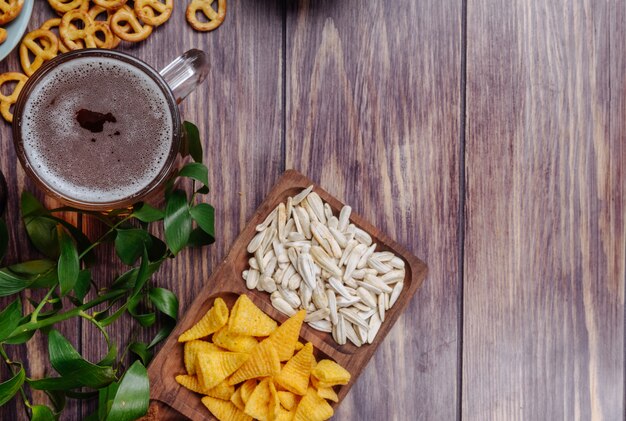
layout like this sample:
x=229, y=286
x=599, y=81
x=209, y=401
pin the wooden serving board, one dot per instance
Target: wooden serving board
x=226, y=282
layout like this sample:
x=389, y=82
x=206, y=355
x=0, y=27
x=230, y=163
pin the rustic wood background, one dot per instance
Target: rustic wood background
x=487, y=136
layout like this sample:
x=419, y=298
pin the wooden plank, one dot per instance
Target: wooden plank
x=239, y=113
x=372, y=115
x=544, y=246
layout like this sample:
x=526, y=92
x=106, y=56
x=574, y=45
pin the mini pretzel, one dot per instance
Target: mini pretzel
x=46, y=49
x=70, y=34
x=50, y=24
x=154, y=12
x=7, y=101
x=107, y=39
x=3, y=35
x=9, y=9
x=64, y=6
x=110, y=4
x=204, y=6
x=137, y=31
x=96, y=11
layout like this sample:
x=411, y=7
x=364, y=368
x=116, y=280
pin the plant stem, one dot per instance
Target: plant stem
x=30, y=326
x=97, y=325
x=9, y=364
x=99, y=241
x=33, y=317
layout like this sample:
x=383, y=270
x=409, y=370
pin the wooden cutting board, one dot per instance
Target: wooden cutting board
x=226, y=282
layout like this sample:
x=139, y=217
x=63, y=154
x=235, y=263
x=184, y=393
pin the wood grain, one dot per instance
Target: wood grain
x=373, y=115
x=239, y=114
x=544, y=245
x=226, y=282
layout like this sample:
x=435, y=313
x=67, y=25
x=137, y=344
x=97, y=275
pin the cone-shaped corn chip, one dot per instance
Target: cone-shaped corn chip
x=329, y=373
x=313, y=408
x=191, y=383
x=191, y=353
x=295, y=375
x=224, y=410
x=233, y=341
x=258, y=403
x=274, y=403
x=328, y=393
x=287, y=399
x=284, y=338
x=247, y=319
x=247, y=388
x=263, y=362
x=236, y=399
x=284, y=415
x=221, y=391
x=214, y=367
x=214, y=319
x=299, y=345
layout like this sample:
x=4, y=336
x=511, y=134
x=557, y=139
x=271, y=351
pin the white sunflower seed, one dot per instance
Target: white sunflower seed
x=378, y=283
x=252, y=279
x=339, y=237
x=365, y=256
x=325, y=261
x=300, y=196
x=322, y=326
x=362, y=237
x=379, y=266
x=295, y=236
x=365, y=315
x=397, y=262
x=393, y=276
x=351, y=335
x=332, y=305
x=381, y=307
x=280, y=252
x=347, y=251
x=282, y=220
x=373, y=327
x=344, y=218
x=347, y=302
x=319, y=296
x=268, y=284
x=328, y=212
x=395, y=293
x=352, y=316
x=353, y=259
x=361, y=333
x=383, y=256
x=369, y=287
x=316, y=204
x=256, y=242
x=267, y=222
x=305, y=221
x=367, y=297
x=333, y=222
x=294, y=281
x=317, y=315
x=253, y=263
x=292, y=298
x=282, y=306
x=270, y=235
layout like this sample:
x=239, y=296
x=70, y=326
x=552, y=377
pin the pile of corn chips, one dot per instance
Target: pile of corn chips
x=249, y=371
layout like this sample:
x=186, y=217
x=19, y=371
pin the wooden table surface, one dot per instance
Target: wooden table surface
x=487, y=136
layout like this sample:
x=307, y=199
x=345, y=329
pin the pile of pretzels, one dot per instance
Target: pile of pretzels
x=9, y=10
x=97, y=24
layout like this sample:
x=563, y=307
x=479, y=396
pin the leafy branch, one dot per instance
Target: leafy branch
x=65, y=273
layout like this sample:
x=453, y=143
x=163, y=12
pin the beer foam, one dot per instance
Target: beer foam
x=101, y=167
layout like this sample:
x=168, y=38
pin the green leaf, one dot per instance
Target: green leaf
x=31, y=206
x=144, y=319
x=147, y=213
x=197, y=171
x=177, y=221
x=83, y=284
x=110, y=357
x=20, y=339
x=143, y=274
x=192, y=145
x=130, y=243
x=10, y=318
x=157, y=249
x=81, y=239
x=69, y=265
x=204, y=215
x=165, y=301
x=43, y=234
x=4, y=238
x=57, y=398
x=10, y=387
x=42, y=413
x=141, y=350
x=11, y=283
x=133, y=395
x=199, y=238
x=33, y=267
x=70, y=365
x=163, y=333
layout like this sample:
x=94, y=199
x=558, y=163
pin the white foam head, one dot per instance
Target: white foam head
x=101, y=167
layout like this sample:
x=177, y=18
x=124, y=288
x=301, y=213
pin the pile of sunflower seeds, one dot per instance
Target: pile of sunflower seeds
x=308, y=258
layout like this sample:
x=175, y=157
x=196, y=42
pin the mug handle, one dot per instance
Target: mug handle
x=186, y=73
